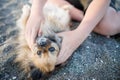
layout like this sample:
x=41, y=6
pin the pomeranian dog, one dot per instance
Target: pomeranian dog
x=42, y=60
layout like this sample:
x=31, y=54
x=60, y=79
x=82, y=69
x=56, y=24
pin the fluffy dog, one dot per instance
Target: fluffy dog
x=43, y=59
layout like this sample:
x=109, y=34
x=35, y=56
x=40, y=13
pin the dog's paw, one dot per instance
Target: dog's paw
x=26, y=9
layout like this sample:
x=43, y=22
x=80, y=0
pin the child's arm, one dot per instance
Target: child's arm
x=94, y=14
x=73, y=39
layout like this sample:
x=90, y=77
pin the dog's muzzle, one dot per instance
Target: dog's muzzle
x=42, y=42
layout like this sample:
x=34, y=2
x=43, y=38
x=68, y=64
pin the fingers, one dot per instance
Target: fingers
x=63, y=55
x=31, y=31
x=68, y=46
x=27, y=33
x=39, y=32
x=34, y=32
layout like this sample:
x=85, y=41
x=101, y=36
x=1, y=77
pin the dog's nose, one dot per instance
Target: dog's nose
x=41, y=42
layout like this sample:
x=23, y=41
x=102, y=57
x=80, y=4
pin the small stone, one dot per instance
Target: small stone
x=114, y=60
x=14, y=77
x=101, y=61
x=117, y=46
x=93, y=79
x=87, y=47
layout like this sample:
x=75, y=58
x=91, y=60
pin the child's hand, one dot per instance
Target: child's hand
x=70, y=42
x=33, y=24
x=32, y=30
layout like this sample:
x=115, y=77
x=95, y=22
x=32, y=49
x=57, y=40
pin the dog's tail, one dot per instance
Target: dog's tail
x=21, y=23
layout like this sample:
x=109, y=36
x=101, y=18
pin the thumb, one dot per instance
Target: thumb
x=39, y=32
x=60, y=55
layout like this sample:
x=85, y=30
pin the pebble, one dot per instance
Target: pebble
x=93, y=79
x=14, y=77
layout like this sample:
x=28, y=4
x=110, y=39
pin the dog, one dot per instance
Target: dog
x=46, y=49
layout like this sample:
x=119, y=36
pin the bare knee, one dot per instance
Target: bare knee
x=109, y=25
x=104, y=29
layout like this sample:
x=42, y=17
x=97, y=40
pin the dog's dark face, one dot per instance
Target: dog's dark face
x=35, y=74
x=45, y=55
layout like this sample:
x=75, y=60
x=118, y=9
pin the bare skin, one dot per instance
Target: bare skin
x=98, y=20
x=110, y=24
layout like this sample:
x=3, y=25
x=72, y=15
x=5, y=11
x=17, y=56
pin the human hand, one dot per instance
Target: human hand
x=33, y=24
x=70, y=42
x=32, y=30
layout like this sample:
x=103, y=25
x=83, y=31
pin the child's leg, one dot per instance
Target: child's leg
x=110, y=24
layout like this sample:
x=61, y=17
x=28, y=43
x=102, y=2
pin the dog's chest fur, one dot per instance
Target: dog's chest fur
x=56, y=19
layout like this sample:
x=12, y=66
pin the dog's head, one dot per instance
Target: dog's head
x=45, y=55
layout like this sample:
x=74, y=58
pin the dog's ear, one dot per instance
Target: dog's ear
x=35, y=73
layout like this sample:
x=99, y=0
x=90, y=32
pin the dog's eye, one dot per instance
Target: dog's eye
x=39, y=52
x=51, y=49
